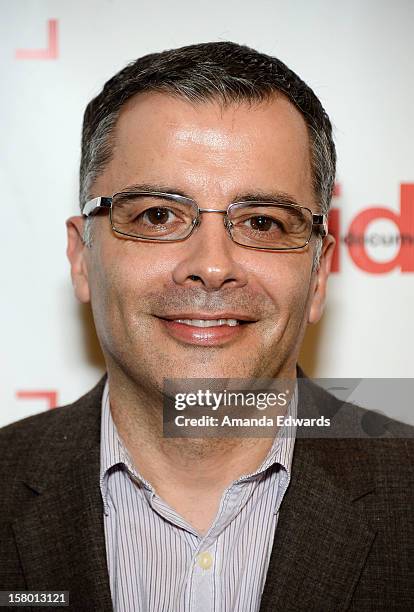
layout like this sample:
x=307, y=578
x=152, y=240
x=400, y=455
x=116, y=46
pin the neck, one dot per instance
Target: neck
x=197, y=465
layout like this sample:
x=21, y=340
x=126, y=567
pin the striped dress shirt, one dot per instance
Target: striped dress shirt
x=157, y=562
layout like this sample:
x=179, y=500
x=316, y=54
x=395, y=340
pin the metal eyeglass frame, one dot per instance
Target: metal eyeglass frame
x=95, y=205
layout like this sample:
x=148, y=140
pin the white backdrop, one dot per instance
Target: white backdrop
x=56, y=55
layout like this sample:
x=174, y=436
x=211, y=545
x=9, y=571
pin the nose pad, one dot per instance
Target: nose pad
x=196, y=222
x=227, y=224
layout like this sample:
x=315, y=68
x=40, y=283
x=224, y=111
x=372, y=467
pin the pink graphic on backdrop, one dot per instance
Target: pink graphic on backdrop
x=51, y=51
x=337, y=190
x=51, y=397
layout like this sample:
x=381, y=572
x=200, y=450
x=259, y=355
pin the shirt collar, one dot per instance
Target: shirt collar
x=113, y=452
x=281, y=451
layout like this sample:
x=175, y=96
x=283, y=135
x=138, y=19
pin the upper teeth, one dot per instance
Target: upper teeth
x=207, y=323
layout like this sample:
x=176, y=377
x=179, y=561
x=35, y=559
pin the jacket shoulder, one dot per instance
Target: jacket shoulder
x=358, y=442
x=21, y=440
x=347, y=419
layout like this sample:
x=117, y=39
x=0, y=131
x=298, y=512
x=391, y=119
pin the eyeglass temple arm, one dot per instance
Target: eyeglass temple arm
x=95, y=205
x=322, y=222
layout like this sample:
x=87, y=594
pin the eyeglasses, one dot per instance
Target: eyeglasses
x=166, y=217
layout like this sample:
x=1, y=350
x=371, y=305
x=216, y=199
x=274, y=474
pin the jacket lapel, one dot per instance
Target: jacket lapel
x=320, y=546
x=322, y=538
x=60, y=536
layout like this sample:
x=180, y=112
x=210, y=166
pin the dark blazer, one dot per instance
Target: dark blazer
x=344, y=539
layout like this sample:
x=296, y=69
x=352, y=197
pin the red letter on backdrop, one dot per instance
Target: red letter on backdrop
x=405, y=222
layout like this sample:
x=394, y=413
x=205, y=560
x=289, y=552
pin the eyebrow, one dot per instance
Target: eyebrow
x=276, y=197
x=148, y=187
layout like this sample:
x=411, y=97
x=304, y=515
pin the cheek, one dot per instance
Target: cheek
x=123, y=274
x=287, y=283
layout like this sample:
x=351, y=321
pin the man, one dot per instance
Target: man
x=206, y=177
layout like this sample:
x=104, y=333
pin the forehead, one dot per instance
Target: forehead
x=207, y=146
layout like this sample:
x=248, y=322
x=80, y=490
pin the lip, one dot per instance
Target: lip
x=205, y=336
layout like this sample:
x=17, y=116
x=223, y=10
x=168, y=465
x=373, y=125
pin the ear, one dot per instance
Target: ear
x=76, y=252
x=321, y=279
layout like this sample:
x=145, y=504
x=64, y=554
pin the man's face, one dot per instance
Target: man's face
x=137, y=289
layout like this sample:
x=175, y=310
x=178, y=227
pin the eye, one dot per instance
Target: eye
x=158, y=216
x=263, y=223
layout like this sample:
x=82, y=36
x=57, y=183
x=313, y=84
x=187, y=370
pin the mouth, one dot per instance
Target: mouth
x=206, y=329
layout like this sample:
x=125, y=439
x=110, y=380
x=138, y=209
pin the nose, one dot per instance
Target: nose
x=209, y=257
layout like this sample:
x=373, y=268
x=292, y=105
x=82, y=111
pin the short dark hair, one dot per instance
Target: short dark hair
x=223, y=71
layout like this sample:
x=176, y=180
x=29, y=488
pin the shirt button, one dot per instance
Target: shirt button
x=205, y=560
